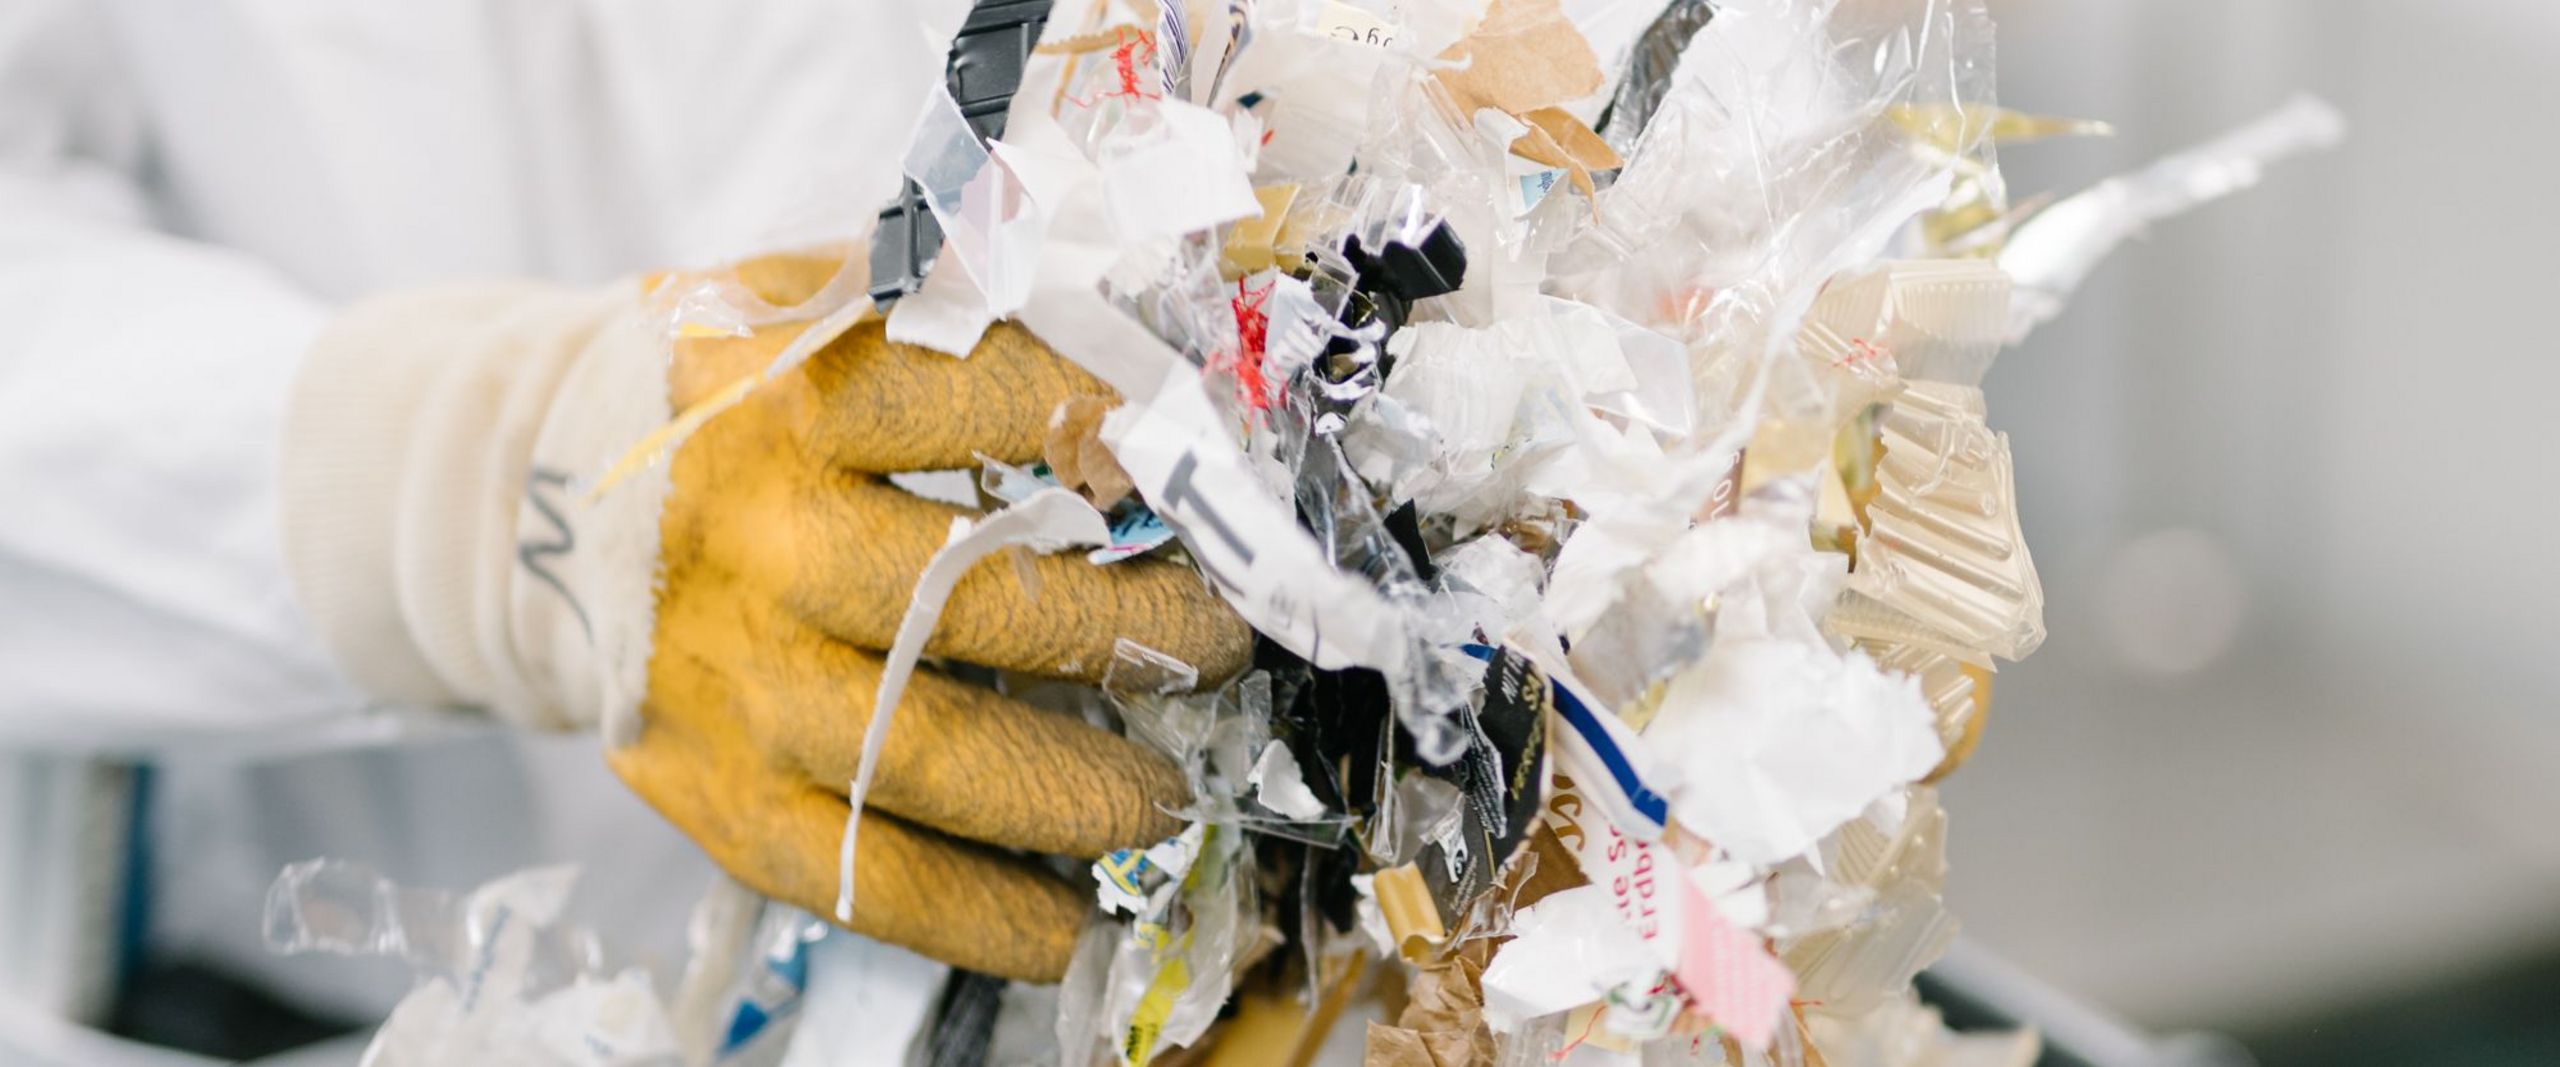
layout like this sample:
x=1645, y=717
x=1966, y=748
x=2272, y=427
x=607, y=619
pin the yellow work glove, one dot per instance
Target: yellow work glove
x=724, y=613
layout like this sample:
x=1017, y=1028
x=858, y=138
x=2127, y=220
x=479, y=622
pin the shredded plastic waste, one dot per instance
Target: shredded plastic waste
x=1582, y=399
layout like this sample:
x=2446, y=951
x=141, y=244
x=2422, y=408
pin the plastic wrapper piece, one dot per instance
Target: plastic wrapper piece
x=1900, y=864
x=502, y=982
x=1140, y=882
x=1938, y=320
x=1943, y=543
x=1137, y=670
x=1501, y=779
x=2050, y=253
x=1076, y=454
x=1169, y=976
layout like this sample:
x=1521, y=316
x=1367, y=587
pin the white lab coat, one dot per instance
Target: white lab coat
x=187, y=187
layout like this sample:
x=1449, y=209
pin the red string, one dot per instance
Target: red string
x=1587, y=1027
x=1253, y=338
x=1866, y=352
x=1136, y=46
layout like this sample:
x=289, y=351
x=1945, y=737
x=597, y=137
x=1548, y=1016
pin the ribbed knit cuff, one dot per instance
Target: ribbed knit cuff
x=351, y=435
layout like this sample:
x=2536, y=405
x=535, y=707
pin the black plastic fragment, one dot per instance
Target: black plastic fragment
x=1405, y=525
x=964, y=1024
x=984, y=68
x=1649, y=67
x=1502, y=775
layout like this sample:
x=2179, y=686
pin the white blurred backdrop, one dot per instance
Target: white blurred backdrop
x=2295, y=739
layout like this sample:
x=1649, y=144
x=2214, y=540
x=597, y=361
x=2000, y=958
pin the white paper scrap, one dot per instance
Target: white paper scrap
x=1281, y=786
x=1779, y=743
x=866, y=1001
x=1566, y=951
x=1183, y=177
x=948, y=314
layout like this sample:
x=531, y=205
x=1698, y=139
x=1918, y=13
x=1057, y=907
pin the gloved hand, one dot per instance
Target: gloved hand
x=724, y=612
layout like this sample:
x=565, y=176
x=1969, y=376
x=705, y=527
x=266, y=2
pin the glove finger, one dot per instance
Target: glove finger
x=872, y=540
x=971, y=762
x=964, y=904
x=866, y=404
x=887, y=407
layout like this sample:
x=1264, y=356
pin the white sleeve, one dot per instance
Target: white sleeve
x=143, y=381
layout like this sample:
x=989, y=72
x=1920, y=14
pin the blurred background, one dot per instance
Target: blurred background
x=2286, y=767
x=2287, y=770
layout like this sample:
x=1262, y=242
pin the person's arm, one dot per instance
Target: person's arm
x=143, y=382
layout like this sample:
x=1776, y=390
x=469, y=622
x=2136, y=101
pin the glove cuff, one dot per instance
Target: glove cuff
x=435, y=526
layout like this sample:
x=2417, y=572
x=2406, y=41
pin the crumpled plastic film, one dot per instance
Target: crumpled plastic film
x=502, y=982
x=1899, y=869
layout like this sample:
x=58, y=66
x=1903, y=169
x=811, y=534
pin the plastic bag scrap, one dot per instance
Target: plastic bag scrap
x=502, y=981
x=505, y=979
x=1582, y=398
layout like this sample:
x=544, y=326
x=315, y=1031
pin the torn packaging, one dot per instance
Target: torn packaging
x=1442, y=1024
x=1502, y=779
x=1181, y=460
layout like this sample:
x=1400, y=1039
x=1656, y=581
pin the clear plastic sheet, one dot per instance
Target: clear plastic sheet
x=1943, y=543
x=502, y=981
x=1170, y=973
x=1899, y=870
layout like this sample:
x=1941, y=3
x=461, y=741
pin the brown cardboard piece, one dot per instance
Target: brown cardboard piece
x=1076, y=454
x=1523, y=60
x=1558, y=139
x=1525, y=55
x=1413, y=919
x=1442, y=1024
